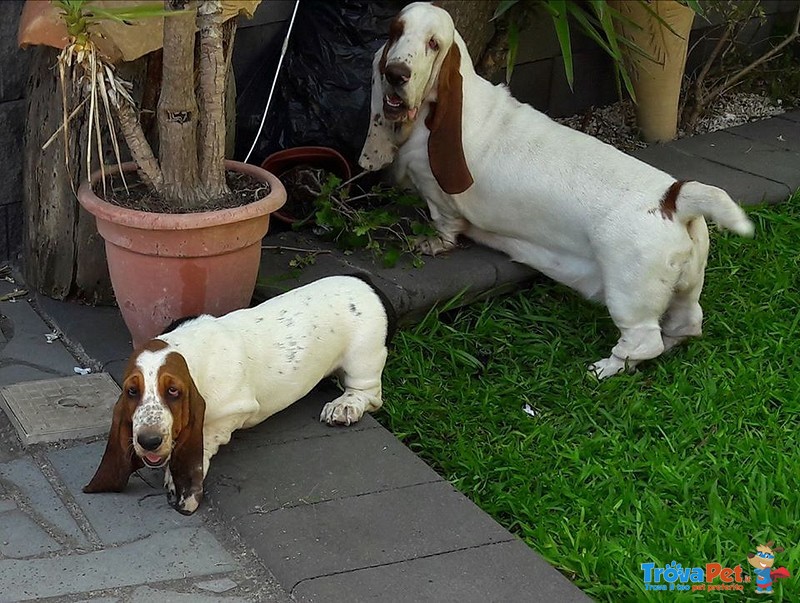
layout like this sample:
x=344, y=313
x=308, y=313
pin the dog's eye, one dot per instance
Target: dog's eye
x=433, y=44
x=173, y=392
x=133, y=392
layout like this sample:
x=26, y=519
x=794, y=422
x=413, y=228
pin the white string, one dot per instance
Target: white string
x=274, y=80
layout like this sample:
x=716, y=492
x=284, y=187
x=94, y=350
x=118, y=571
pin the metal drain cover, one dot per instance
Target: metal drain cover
x=60, y=409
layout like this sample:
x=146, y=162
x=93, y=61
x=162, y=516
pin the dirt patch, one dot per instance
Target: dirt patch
x=244, y=189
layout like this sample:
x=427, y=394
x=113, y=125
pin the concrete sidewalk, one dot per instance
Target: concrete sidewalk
x=295, y=510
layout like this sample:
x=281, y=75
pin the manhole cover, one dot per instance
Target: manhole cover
x=60, y=409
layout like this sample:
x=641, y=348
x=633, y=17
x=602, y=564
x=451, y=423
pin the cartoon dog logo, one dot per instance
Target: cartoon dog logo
x=763, y=561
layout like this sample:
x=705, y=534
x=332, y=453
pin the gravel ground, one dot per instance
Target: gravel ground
x=616, y=124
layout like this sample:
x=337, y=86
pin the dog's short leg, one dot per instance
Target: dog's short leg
x=361, y=377
x=448, y=228
x=169, y=486
x=634, y=345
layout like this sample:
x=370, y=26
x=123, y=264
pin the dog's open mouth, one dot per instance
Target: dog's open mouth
x=154, y=461
x=395, y=108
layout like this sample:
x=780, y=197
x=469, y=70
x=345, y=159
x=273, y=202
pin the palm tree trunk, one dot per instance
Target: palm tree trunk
x=212, y=68
x=178, y=111
x=140, y=149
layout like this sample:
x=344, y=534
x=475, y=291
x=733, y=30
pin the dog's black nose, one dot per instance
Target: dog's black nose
x=397, y=74
x=148, y=441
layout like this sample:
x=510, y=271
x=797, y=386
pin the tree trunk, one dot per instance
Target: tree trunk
x=63, y=255
x=141, y=153
x=473, y=21
x=212, y=68
x=178, y=112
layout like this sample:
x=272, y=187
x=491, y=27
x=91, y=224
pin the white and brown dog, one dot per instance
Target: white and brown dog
x=615, y=229
x=186, y=391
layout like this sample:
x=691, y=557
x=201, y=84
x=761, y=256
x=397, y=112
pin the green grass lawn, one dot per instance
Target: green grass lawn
x=694, y=458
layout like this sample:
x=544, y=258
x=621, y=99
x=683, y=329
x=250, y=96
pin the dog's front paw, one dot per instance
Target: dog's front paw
x=433, y=245
x=187, y=503
x=345, y=410
x=169, y=486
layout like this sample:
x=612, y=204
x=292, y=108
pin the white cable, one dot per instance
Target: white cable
x=274, y=80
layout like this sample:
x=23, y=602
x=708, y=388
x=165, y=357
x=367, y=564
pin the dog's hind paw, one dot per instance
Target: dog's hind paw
x=607, y=367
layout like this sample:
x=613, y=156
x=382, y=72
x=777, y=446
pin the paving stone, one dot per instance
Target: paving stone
x=781, y=133
x=349, y=463
x=221, y=585
x=750, y=156
x=146, y=594
x=20, y=537
x=60, y=409
x=21, y=373
x=28, y=345
x=117, y=518
x=30, y=485
x=99, y=329
x=742, y=187
x=790, y=115
x=158, y=557
x=469, y=272
x=517, y=574
x=343, y=535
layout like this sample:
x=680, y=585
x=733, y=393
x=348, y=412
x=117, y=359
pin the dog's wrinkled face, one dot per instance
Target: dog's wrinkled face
x=158, y=388
x=419, y=39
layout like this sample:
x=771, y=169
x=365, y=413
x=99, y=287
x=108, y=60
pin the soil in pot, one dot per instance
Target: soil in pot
x=244, y=189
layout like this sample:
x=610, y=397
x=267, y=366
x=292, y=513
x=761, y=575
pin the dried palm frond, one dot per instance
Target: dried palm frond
x=104, y=91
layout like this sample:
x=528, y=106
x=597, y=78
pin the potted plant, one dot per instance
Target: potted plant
x=182, y=227
x=646, y=39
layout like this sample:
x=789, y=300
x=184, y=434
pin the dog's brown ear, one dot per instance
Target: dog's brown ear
x=119, y=459
x=186, y=462
x=445, y=146
x=778, y=549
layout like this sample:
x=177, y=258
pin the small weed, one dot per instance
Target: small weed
x=382, y=220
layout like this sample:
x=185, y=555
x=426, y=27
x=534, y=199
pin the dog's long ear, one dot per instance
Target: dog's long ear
x=445, y=146
x=186, y=462
x=119, y=459
x=379, y=147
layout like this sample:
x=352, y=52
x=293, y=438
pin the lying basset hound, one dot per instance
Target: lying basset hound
x=615, y=229
x=186, y=391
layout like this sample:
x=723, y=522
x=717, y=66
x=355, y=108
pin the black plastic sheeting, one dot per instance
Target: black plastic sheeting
x=323, y=92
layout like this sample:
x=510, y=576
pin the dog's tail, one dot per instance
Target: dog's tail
x=693, y=199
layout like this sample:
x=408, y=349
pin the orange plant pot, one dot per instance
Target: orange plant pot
x=167, y=266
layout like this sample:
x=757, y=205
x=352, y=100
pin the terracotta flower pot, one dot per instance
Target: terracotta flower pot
x=167, y=266
x=326, y=158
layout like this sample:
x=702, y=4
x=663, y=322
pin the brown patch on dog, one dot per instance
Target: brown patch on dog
x=670, y=198
x=395, y=31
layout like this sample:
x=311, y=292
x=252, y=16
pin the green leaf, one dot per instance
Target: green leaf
x=513, y=47
x=561, y=24
x=502, y=7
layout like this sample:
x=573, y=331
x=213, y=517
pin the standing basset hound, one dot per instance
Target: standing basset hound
x=613, y=228
x=186, y=391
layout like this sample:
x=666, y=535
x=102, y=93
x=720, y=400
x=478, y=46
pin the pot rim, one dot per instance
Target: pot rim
x=135, y=218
